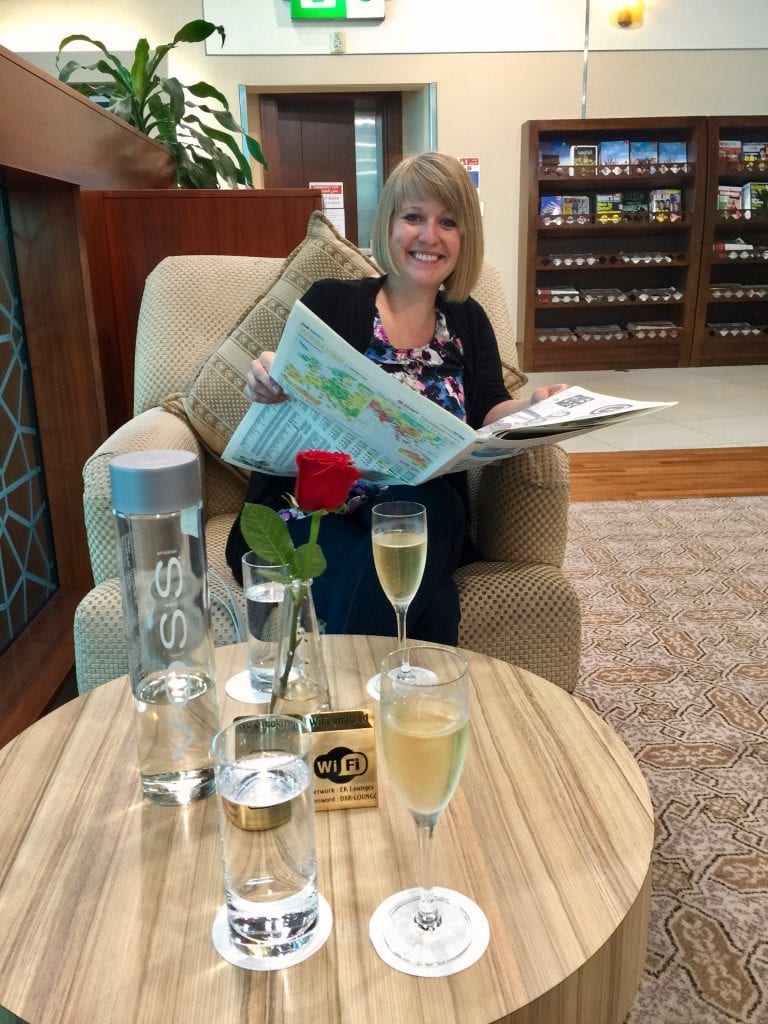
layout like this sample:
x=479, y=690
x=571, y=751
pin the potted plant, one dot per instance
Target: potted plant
x=165, y=110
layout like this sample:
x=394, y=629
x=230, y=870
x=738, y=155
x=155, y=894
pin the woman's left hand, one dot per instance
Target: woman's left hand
x=546, y=391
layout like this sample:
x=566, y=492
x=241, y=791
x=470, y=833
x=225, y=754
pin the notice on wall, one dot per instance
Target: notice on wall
x=333, y=202
x=471, y=165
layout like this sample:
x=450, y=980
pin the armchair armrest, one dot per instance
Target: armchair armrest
x=521, y=508
x=154, y=428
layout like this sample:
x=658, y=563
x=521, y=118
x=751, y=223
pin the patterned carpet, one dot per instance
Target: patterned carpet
x=675, y=602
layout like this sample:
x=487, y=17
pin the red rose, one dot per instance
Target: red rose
x=324, y=480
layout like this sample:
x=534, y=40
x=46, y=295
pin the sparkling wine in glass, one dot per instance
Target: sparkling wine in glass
x=424, y=728
x=399, y=538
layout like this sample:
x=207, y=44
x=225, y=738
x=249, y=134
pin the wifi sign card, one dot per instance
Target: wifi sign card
x=344, y=760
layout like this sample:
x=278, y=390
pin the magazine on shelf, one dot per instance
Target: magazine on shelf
x=340, y=401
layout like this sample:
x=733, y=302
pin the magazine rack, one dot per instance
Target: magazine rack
x=691, y=251
x=598, y=242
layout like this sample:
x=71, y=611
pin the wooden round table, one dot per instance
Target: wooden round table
x=107, y=900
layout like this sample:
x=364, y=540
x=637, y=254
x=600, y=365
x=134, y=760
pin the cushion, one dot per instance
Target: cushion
x=216, y=403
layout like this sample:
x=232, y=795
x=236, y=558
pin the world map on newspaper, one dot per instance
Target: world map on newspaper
x=334, y=389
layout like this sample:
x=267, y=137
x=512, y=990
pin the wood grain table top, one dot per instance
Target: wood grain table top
x=107, y=900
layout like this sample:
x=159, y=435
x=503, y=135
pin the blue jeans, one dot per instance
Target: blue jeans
x=348, y=596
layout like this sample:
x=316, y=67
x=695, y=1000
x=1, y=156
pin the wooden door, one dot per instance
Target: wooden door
x=311, y=137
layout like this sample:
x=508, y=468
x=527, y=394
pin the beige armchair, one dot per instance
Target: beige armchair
x=516, y=604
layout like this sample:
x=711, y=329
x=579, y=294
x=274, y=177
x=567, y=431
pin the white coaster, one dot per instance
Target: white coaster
x=239, y=688
x=372, y=686
x=222, y=942
x=478, y=944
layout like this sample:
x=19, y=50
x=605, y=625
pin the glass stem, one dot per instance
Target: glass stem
x=427, y=915
x=401, y=611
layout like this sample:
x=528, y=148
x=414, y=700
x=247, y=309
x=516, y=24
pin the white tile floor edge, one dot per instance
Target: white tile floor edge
x=718, y=406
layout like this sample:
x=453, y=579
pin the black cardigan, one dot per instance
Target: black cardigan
x=349, y=308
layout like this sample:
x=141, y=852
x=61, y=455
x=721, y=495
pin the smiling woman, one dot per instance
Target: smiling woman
x=419, y=323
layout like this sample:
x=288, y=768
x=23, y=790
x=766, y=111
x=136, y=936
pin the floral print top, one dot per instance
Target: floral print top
x=436, y=370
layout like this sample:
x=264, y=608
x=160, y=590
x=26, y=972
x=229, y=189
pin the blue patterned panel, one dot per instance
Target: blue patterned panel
x=27, y=563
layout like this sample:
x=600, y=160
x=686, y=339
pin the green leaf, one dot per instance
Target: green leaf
x=139, y=68
x=254, y=148
x=122, y=107
x=69, y=67
x=115, y=61
x=308, y=562
x=192, y=171
x=266, y=534
x=156, y=58
x=120, y=74
x=202, y=90
x=175, y=91
x=198, y=30
x=241, y=169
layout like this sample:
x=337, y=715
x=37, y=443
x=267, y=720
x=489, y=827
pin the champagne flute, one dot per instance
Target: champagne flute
x=424, y=728
x=399, y=538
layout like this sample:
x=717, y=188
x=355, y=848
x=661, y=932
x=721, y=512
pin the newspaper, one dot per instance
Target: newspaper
x=340, y=401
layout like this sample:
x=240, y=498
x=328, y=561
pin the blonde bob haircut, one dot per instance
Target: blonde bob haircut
x=442, y=178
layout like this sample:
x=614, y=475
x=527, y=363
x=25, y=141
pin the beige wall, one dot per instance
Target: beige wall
x=482, y=99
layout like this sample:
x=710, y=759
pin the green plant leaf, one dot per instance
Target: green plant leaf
x=66, y=72
x=139, y=68
x=201, y=90
x=254, y=148
x=175, y=92
x=240, y=169
x=198, y=30
x=266, y=534
x=193, y=173
x=308, y=562
x=120, y=73
x=87, y=39
x=158, y=106
x=122, y=107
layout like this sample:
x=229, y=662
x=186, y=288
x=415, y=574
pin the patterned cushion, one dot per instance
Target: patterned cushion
x=216, y=403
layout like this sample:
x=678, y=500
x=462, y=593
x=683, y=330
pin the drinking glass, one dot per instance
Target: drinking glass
x=399, y=538
x=424, y=728
x=263, y=588
x=264, y=785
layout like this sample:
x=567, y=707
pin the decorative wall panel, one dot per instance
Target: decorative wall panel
x=27, y=563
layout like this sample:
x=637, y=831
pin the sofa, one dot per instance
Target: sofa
x=202, y=319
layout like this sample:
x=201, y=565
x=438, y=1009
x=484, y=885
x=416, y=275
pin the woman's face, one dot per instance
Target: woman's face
x=425, y=242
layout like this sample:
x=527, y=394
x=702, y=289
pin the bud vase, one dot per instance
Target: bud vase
x=300, y=683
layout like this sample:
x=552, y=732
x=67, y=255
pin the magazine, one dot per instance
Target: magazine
x=340, y=401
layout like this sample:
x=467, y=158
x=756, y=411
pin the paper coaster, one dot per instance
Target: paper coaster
x=222, y=942
x=477, y=946
x=239, y=688
x=372, y=686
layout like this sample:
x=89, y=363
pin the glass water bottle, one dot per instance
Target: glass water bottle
x=157, y=507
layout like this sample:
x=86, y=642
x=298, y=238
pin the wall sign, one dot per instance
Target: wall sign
x=333, y=202
x=336, y=10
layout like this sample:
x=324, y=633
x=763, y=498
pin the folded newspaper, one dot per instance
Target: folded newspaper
x=340, y=401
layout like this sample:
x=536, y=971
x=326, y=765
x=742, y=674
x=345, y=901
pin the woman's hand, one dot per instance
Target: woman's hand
x=546, y=391
x=259, y=386
x=516, y=404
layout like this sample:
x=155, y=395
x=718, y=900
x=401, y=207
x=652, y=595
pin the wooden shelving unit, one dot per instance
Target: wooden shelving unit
x=733, y=286
x=631, y=258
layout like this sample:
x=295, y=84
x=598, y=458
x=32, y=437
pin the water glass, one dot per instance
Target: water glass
x=263, y=586
x=265, y=796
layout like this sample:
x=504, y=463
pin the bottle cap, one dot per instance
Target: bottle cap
x=154, y=482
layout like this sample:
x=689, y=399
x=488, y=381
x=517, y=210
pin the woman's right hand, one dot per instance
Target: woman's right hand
x=259, y=386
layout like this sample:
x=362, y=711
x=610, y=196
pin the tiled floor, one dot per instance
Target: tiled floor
x=721, y=406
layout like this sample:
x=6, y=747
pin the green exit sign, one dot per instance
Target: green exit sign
x=336, y=10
